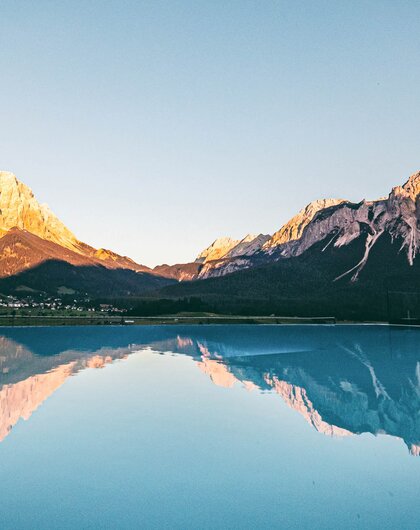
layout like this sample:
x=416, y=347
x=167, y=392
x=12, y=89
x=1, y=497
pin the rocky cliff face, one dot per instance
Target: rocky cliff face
x=20, y=209
x=338, y=223
x=112, y=260
x=227, y=248
x=180, y=271
x=217, y=250
x=231, y=256
x=30, y=234
x=293, y=229
x=330, y=223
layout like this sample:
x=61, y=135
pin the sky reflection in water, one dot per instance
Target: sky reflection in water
x=201, y=439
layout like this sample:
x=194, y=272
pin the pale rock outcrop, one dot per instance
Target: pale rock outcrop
x=217, y=250
x=22, y=217
x=227, y=248
x=113, y=260
x=20, y=209
x=338, y=223
x=294, y=228
x=219, y=268
x=232, y=258
x=397, y=215
x=248, y=246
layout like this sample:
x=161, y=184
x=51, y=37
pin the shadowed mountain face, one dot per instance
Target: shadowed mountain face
x=334, y=258
x=342, y=380
x=55, y=276
x=336, y=222
x=30, y=233
x=35, y=244
x=352, y=261
x=306, y=285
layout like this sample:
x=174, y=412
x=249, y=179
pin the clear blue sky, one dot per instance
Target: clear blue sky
x=153, y=127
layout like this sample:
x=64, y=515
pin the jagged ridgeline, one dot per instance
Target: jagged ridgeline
x=335, y=222
x=334, y=258
x=38, y=253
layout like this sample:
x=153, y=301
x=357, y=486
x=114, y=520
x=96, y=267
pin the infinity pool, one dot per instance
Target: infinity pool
x=210, y=427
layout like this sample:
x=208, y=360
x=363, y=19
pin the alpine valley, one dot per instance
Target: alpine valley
x=334, y=258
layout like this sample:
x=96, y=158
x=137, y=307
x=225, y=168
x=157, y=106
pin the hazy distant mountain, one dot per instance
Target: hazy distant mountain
x=31, y=237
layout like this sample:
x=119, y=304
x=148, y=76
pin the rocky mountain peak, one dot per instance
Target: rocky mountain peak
x=338, y=223
x=30, y=234
x=8, y=179
x=412, y=186
x=217, y=249
x=294, y=228
x=248, y=246
x=20, y=209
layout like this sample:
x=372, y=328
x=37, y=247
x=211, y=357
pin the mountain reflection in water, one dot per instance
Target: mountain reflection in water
x=343, y=380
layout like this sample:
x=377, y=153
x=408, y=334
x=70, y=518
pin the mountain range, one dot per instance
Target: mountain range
x=336, y=221
x=333, y=254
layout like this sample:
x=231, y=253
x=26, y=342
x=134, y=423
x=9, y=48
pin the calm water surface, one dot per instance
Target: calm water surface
x=210, y=427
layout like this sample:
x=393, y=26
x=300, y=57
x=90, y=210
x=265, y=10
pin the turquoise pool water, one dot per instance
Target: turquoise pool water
x=210, y=427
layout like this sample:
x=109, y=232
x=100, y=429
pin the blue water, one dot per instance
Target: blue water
x=210, y=427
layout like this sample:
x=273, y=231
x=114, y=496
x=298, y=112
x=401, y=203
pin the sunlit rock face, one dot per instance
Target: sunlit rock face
x=217, y=250
x=337, y=222
x=397, y=215
x=113, y=260
x=217, y=257
x=30, y=234
x=231, y=257
x=227, y=248
x=294, y=228
x=20, y=209
x=248, y=246
x=180, y=271
x=217, y=268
